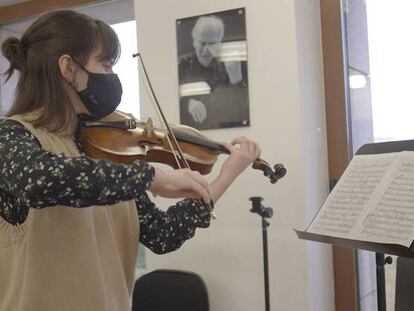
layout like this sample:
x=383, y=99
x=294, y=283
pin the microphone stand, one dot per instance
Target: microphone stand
x=264, y=212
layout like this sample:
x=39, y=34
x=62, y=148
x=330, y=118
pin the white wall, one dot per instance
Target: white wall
x=287, y=119
x=311, y=102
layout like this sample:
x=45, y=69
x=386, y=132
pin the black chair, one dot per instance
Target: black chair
x=170, y=290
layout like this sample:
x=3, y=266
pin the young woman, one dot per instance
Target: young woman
x=70, y=225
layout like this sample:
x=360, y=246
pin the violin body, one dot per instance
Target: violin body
x=142, y=141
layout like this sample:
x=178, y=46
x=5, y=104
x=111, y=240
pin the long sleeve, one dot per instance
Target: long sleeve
x=165, y=231
x=38, y=178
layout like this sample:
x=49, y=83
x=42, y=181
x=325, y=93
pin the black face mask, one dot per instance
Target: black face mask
x=103, y=93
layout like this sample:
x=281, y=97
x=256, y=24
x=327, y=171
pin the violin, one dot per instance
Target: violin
x=121, y=138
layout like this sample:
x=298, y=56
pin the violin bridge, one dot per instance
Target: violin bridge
x=149, y=135
x=149, y=128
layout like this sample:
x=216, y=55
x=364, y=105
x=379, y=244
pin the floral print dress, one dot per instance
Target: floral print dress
x=31, y=177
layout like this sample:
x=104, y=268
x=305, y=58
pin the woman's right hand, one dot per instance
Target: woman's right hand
x=180, y=183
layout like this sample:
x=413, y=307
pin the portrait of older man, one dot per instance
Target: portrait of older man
x=213, y=71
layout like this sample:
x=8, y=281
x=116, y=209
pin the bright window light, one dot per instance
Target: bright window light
x=391, y=50
x=357, y=81
x=127, y=67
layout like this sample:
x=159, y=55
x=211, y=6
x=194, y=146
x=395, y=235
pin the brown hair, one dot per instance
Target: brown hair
x=41, y=86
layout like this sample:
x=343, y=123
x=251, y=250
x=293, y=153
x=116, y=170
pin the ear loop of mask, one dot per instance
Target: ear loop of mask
x=80, y=65
x=74, y=83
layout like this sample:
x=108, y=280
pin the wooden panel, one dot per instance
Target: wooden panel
x=345, y=273
x=15, y=12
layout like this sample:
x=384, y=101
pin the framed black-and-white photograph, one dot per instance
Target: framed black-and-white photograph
x=212, y=70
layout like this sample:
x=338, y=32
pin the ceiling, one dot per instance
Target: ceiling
x=10, y=2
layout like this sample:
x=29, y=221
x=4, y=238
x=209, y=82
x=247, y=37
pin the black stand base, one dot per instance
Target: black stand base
x=264, y=212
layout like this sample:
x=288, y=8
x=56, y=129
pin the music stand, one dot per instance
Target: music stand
x=379, y=248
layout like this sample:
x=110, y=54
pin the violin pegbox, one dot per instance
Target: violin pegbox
x=274, y=174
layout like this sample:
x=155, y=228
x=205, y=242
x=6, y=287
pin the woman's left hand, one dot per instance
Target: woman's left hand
x=243, y=152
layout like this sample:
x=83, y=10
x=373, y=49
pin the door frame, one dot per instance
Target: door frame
x=339, y=139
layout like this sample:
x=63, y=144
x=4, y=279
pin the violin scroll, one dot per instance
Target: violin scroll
x=274, y=174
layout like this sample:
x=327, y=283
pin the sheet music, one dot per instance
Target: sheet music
x=391, y=218
x=351, y=197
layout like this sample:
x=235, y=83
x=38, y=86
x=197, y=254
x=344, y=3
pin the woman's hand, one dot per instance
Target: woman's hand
x=186, y=183
x=242, y=153
x=179, y=184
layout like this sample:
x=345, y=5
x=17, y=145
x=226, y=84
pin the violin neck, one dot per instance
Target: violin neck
x=200, y=141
